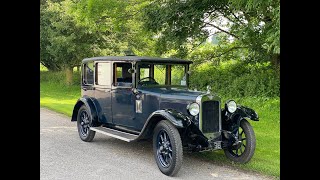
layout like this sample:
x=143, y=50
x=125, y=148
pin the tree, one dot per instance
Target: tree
x=252, y=25
x=64, y=42
x=46, y=58
x=122, y=20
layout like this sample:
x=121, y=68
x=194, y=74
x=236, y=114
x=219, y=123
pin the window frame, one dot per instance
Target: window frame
x=96, y=74
x=84, y=73
x=168, y=72
x=114, y=74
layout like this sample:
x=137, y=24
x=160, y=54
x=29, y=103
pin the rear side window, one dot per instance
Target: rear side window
x=103, y=74
x=88, y=73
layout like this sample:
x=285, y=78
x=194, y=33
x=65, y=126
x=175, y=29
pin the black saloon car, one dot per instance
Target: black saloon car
x=133, y=98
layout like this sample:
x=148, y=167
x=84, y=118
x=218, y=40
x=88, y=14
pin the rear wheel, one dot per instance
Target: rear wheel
x=243, y=151
x=83, y=121
x=167, y=148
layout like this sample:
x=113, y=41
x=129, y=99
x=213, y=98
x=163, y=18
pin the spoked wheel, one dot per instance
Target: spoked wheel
x=167, y=148
x=83, y=121
x=164, y=149
x=244, y=150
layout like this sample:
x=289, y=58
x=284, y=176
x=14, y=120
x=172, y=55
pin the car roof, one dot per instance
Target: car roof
x=136, y=58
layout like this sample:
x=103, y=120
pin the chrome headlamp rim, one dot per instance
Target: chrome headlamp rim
x=193, y=108
x=231, y=106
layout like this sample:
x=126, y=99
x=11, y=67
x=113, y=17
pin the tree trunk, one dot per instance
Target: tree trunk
x=78, y=68
x=69, y=75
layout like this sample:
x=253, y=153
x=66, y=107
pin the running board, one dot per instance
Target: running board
x=115, y=133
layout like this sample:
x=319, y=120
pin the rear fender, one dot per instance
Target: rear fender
x=88, y=102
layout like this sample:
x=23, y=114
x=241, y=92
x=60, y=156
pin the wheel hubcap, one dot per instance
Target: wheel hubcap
x=164, y=149
x=84, y=123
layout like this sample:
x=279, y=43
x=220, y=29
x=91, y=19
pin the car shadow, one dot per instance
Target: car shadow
x=142, y=151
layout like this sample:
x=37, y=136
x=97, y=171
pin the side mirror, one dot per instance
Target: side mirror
x=130, y=70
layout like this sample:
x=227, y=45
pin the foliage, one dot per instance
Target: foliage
x=253, y=25
x=237, y=79
x=120, y=19
x=59, y=77
x=215, y=54
x=64, y=41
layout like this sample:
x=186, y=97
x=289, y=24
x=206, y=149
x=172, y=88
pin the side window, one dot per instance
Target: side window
x=160, y=73
x=121, y=75
x=178, y=76
x=144, y=71
x=88, y=73
x=103, y=74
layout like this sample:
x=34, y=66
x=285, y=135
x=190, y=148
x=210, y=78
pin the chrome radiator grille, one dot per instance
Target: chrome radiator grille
x=210, y=116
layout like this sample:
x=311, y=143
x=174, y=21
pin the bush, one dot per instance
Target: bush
x=237, y=79
x=59, y=77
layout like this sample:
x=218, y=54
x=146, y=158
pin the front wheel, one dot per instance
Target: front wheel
x=167, y=148
x=243, y=151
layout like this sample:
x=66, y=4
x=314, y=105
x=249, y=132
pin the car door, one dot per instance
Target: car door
x=122, y=97
x=103, y=80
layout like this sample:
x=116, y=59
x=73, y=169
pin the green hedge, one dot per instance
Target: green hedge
x=59, y=77
x=237, y=79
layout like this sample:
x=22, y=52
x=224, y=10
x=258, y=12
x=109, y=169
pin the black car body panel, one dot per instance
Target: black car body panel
x=121, y=103
x=92, y=107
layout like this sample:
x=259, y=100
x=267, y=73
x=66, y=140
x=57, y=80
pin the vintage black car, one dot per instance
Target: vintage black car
x=133, y=98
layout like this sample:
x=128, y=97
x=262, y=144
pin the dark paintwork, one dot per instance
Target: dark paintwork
x=123, y=111
x=163, y=98
x=103, y=98
x=231, y=121
x=114, y=107
x=90, y=105
x=248, y=112
x=176, y=118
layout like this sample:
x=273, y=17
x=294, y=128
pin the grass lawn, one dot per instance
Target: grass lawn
x=266, y=159
x=58, y=97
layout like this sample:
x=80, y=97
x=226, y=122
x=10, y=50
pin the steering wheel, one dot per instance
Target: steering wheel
x=150, y=81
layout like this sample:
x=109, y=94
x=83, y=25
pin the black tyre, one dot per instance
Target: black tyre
x=167, y=148
x=243, y=153
x=83, y=121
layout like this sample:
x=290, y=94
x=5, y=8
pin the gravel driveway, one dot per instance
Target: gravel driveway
x=64, y=156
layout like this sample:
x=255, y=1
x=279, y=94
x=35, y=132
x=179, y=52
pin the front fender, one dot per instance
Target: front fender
x=178, y=119
x=231, y=122
x=249, y=113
